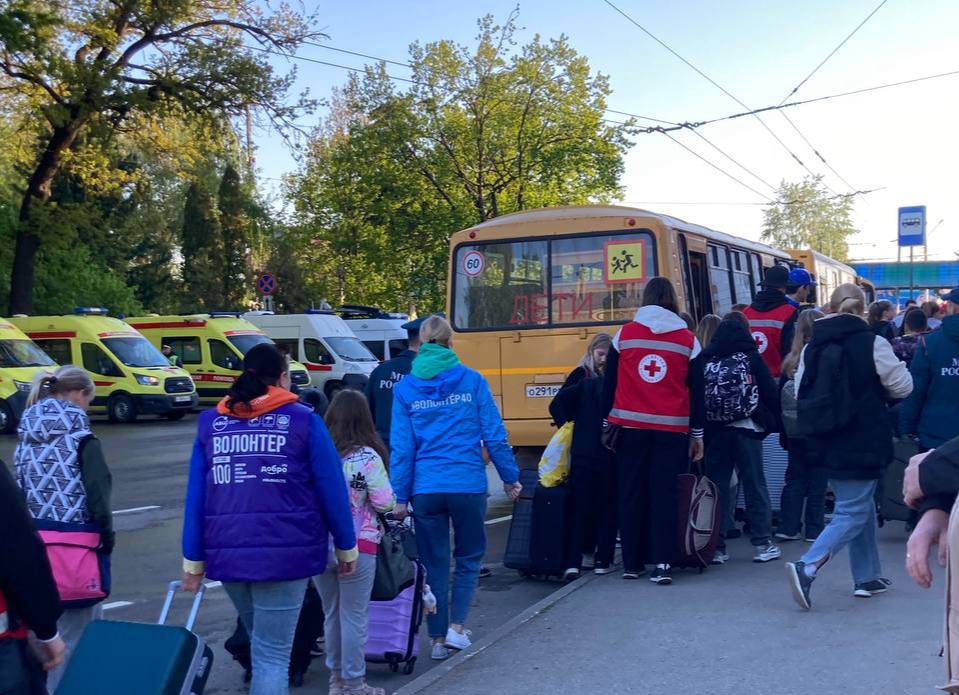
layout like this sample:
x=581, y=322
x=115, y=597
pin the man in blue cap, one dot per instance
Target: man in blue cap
x=379, y=390
x=799, y=287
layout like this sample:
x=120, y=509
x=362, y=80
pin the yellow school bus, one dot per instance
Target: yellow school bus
x=527, y=292
x=829, y=274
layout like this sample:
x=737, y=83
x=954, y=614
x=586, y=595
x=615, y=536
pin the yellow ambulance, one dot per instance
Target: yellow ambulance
x=20, y=360
x=210, y=347
x=132, y=377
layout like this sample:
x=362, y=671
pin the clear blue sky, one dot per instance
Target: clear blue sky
x=902, y=139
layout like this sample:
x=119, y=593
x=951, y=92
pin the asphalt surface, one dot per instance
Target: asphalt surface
x=149, y=462
x=731, y=630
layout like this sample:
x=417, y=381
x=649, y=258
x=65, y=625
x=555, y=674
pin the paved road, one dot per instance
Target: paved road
x=148, y=461
x=731, y=630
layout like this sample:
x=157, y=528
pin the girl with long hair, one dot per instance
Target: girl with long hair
x=346, y=599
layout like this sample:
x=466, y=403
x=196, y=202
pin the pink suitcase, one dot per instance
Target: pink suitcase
x=394, y=628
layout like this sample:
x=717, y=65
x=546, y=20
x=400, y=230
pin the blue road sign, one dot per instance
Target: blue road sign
x=912, y=225
x=266, y=284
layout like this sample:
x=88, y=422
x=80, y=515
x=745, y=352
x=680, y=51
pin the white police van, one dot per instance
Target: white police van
x=321, y=340
x=380, y=331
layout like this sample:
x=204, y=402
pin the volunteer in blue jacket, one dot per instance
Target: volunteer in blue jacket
x=264, y=494
x=443, y=416
x=932, y=410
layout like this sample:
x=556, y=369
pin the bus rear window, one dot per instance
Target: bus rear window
x=577, y=280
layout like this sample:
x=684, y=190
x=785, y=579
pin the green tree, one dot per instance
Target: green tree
x=807, y=216
x=202, y=249
x=98, y=68
x=234, y=206
x=483, y=131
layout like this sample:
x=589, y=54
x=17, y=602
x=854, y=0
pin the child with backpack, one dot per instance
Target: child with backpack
x=805, y=475
x=845, y=377
x=741, y=408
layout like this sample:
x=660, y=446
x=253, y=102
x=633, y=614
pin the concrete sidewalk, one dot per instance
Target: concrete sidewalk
x=733, y=629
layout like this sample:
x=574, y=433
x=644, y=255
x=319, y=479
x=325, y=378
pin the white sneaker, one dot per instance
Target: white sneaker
x=720, y=557
x=571, y=574
x=456, y=640
x=439, y=652
x=766, y=553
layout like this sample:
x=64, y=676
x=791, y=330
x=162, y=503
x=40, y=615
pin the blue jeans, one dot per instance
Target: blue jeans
x=269, y=611
x=346, y=608
x=729, y=448
x=433, y=513
x=853, y=523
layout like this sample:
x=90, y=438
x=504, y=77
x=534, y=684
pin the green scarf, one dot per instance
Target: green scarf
x=433, y=359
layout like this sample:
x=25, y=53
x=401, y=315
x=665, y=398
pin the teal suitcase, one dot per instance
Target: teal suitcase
x=122, y=658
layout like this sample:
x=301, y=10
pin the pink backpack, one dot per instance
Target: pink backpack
x=81, y=573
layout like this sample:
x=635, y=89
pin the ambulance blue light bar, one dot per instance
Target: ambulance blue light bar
x=324, y=312
x=91, y=311
x=225, y=314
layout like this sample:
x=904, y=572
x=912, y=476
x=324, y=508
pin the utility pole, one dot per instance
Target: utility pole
x=250, y=157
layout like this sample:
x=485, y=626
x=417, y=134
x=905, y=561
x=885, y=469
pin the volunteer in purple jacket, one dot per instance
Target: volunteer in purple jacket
x=265, y=493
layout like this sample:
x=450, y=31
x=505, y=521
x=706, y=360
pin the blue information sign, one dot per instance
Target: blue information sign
x=912, y=225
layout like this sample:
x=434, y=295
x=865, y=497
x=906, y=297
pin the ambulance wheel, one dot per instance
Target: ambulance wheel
x=333, y=388
x=121, y=408
x=175, y=415
x=8, y=422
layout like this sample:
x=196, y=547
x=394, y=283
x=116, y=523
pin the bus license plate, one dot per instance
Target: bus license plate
x=183, y=399
x=542, y=390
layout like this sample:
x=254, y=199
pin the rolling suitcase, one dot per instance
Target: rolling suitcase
x=698, y=523
x=394, y=627
x=550, y=526
x=517, y=554
x=892, y=507
x=120, y=658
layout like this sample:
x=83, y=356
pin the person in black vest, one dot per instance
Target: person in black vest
x=379, y=389
x=592, y=478
x=845, y=377
x=741, y=408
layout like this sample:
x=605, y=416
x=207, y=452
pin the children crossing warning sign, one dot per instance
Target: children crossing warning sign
x=624, y=261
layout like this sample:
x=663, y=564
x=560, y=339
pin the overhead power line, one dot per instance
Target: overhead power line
x=293, y=56
x=717, y=168
x=714, y=83
x=355, y=53
x=833, y=52
x=792, y=104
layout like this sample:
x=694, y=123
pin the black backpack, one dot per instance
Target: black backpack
x=732, y=391
x=825, y=404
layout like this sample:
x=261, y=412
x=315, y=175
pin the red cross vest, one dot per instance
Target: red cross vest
x=651, y=389
x=5, y=623
x=767, y=329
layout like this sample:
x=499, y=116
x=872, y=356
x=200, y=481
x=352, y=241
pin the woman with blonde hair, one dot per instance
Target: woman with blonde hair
x=846, y=375
x=707, y=328
x=805, y=475
x=594, y=360
x=63, y=475
x=443, y=417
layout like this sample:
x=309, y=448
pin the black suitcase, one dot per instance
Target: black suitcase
x=892, y=507
x=517, y=555
x=549, y=530
x=309, y=628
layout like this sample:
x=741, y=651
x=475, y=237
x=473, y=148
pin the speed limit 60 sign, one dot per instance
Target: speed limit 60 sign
x=473, y=263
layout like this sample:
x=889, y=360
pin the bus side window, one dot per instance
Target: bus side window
x=741, y=278
x=58, y=350
x=692, y=279
x=96, y=360
x=757, y=273
x=719, y=277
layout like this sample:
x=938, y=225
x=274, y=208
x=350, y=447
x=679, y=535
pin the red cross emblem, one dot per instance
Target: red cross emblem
x=762, y=342
x=652, y=369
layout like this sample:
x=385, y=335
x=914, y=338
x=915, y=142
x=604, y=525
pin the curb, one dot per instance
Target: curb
x=437, y=673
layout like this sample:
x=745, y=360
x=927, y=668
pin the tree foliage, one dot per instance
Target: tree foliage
x=88, y=70
x=807, y=216
x=483, y=131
